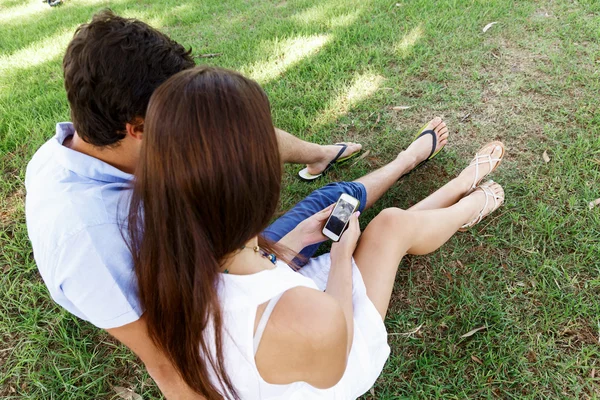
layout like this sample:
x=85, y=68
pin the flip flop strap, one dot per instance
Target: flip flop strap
x=339, y=154
x=481, y=159
x=434, y=145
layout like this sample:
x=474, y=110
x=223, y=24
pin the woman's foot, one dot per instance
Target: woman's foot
x=328, y=154
x=486, y=161
x=420, y=149
x=486, y=198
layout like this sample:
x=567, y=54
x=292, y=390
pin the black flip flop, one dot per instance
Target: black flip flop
x=306, y=176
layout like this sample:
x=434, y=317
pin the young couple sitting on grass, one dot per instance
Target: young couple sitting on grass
x=150, y=216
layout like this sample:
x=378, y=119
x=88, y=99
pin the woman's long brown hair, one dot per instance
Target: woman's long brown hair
x=208, y=180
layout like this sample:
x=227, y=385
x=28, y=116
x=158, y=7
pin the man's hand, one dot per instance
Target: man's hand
x=307, y=232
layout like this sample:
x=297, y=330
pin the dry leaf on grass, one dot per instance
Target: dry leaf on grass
x=593, y=373
x=546, y=157
x=408, y=334
x=488, y=26
x=361, y=157
x=472, y=332
x=594, y=203
x=477, y=360
x=126, y=394
x=400, y=108
x=209, y=55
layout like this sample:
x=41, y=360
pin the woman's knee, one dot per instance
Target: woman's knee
x=392, y=226
x=392, y=219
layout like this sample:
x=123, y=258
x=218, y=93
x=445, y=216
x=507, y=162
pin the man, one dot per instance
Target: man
x=78, y=182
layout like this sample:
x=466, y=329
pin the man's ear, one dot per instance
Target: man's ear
x=135, y=128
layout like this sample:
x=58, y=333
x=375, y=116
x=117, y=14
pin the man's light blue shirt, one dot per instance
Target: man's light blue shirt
x=75, y=207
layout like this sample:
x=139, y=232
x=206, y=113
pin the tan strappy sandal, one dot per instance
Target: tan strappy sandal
x=498, y=200
x=485, y=158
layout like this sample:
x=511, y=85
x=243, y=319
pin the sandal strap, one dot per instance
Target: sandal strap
x=478, y=160
x=482, y=214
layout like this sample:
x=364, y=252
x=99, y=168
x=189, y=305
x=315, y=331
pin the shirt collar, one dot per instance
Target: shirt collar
x=82, y=164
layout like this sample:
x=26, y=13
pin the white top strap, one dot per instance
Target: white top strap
x=262, y=324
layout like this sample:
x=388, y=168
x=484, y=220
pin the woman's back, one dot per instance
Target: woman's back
x=240, y=296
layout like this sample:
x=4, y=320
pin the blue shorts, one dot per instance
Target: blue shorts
x=315, y=202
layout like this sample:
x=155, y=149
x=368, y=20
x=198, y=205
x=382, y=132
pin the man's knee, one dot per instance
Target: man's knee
x=331, y=192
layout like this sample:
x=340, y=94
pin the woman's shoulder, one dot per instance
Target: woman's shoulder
x=304, y=340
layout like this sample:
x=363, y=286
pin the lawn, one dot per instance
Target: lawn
x=334, y=70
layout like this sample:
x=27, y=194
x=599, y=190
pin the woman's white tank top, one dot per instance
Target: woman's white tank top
x=240, y=295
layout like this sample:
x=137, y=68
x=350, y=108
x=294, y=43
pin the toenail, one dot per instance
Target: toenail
x=498, y=148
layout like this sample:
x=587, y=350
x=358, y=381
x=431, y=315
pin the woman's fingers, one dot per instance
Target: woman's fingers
x=354, y=225
x=324, y=214
x=328, y=209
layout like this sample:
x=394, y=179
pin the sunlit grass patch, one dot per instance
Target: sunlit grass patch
x=37, y=53
x=404, y=47
x=283, y=54
x=361, y=88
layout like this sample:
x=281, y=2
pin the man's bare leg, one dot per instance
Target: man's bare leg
x=379, y=181
x=315, y=156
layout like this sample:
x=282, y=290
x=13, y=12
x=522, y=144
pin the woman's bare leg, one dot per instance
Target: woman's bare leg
x=394, y=233
x=454, y=190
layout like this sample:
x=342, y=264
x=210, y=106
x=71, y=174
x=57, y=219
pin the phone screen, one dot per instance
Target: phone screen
x=340, y=217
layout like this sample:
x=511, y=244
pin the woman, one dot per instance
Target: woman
x=235, y=322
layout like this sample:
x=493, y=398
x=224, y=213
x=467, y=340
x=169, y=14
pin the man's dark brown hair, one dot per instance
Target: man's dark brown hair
x=111, y=68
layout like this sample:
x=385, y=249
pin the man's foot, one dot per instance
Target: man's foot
x=486, y=198
x=420, y=149
x=486, y=160
x=329, y=153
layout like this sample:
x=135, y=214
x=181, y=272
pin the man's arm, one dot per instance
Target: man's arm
x=135, y=337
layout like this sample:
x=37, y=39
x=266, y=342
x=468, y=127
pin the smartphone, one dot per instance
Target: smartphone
x=340, y=216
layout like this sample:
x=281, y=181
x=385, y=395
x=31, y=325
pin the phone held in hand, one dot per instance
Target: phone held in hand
x=340, y=216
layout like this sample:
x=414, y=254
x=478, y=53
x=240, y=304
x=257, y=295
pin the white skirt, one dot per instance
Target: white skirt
x=370, y=349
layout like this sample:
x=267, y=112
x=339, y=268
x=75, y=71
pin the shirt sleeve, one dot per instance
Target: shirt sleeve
x=95, y=275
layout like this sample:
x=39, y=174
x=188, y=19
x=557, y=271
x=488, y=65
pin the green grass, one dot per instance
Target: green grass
x=332, y=68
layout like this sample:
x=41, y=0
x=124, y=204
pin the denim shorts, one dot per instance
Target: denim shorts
x=312, y=204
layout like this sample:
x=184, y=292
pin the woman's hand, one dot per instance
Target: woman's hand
x=307, y=232
x=344, y=249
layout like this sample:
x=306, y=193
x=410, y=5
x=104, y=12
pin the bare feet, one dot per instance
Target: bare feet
x=485, y=161
x=328, y=154
x=420, y=149
x=487, y=198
